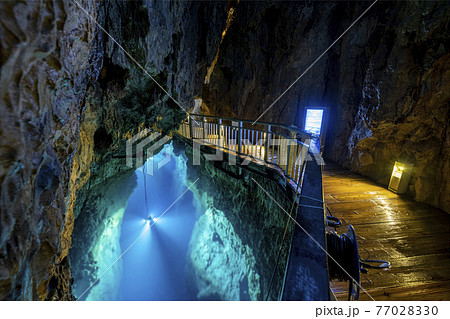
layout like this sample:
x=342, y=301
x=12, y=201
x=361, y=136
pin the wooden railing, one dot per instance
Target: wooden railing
x=266, y=143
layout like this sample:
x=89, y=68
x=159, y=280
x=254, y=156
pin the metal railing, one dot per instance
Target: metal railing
x=266, y=143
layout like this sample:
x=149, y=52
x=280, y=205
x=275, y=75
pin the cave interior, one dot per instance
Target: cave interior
x=197, y=150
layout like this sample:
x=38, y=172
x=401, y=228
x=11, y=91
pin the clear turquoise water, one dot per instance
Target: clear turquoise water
x=191, y=252
x=154, y=267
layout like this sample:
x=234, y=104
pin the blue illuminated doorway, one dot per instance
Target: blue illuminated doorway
x=313, y=120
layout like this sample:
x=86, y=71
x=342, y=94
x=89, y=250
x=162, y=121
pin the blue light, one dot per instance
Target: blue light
x=313, y=121
x=151, y=219
x=154, y=268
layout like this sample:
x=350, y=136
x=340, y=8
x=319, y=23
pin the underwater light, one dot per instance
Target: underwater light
x=151, y=219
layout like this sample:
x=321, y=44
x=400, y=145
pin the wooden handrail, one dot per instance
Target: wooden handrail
x=290, y=128
x=265, y=146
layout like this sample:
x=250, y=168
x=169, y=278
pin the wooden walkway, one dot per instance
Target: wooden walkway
x=414, y=237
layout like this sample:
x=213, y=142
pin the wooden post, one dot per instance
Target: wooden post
x=289, y=155
x=218, y=133
x=191, y=129
x=239, y=148
x=266, y=144
x=204, y=120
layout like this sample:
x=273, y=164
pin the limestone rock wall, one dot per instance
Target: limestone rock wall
x=48, y=57
x=96, y=237
x=70, y=97
x=385, y=82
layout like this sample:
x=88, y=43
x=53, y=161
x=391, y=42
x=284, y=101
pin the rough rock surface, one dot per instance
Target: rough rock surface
x=256, y=219
x=219, y=265
x=385, y=82
x=96, y=236
x=67, y=108
x=48, y=57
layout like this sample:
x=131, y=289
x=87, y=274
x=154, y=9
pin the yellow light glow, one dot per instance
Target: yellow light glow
x=400, y=177
x=398, y=170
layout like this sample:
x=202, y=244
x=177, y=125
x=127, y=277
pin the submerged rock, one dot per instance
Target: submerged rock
x=96, y=237
x=221, y=267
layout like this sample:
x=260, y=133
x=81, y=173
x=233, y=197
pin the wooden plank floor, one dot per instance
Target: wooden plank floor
x=414, y=237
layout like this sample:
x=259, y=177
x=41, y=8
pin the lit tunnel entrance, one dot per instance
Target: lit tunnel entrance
x=313, y=120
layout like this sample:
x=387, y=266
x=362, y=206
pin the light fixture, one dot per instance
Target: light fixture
x=400, y=176
x=150, y=219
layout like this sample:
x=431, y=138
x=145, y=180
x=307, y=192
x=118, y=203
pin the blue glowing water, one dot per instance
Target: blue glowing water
x=154, y=267
x=138, y=259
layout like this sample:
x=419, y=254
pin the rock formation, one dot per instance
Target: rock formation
x=49, y=56
x=254, y=219
x=219, y=265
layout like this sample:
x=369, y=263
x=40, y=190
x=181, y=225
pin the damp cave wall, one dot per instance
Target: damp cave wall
x=69, y=100
x=48, y=57
x=385, y=82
